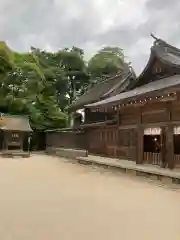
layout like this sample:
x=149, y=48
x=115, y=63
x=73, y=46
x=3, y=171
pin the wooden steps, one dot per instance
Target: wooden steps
x=14, y=153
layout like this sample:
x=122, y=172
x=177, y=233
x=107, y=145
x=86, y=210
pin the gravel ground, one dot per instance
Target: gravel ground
x=46, y=198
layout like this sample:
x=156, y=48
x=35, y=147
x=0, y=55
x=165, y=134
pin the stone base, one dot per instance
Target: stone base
x=149, y=172
x=166, y=180
x=154, y=177
x=12, y=154
x=131, y=172
x=67, y=152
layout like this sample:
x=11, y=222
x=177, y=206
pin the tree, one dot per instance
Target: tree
x=41, y=79
x=43, y=84
x=75, y=70
x=27, y=90
x=56, y=80
x=107, y=61
x=45, y=114
x=6, y=59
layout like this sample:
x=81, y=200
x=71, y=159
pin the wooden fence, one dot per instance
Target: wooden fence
x=153, y=158
x=74, y=140
x=177, y=160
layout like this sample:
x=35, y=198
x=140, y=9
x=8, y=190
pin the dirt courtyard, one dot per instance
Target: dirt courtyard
x=45, y=198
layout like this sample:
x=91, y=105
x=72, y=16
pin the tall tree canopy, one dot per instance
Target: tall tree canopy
x=107, y=61
x=6, y=59
x=75, y=69
x=43, y=84
x=26, y=89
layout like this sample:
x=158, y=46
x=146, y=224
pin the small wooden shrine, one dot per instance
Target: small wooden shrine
x=14, y=129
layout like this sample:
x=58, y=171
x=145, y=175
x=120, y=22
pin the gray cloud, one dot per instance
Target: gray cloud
x=90, y=24
x=161, y=18
x=161, y=4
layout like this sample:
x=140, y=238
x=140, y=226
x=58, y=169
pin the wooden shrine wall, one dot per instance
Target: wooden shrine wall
x=154, y=113
x=125, y=139
x=103, y=141
x=111, y=139
x=95, y=141
x=129, y=116
x=76, y=140
x=175, y=111
x=126, y=146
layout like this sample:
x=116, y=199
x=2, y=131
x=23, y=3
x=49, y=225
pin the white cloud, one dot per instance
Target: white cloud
x=90, y=24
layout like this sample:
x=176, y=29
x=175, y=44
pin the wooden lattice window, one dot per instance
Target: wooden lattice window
x=127, y=137
x=132, y=137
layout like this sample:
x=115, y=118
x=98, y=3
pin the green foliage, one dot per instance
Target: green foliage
x=29, y=88
x=75, y=69
x=6, y=59
x=43, y=84
x=108, y=60
x=45, y=114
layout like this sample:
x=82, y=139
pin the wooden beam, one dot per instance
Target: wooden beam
x=140, y=138
x=118, y=116
x=169, y=158
x=139, y=145
x=170, y=146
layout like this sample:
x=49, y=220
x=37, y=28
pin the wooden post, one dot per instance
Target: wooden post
x=117, y=132
x=118, y=116
x=170, y=146
x=21, y=136
x=140, y=139
x=169, y=158
x=163, y=147
x=5, y=141
x=86, y=115
x=139, y=145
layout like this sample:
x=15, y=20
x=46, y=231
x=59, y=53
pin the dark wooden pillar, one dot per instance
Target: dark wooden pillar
x=117, y=132
x=139, y=145
x=86, y=115
x=22, y=137
x=118, y=116
x=170, y=146
x=140, y=139
x=163, y=147
x=169, y=138
x=5, y=145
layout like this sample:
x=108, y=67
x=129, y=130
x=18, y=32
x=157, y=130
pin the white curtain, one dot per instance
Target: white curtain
x=176, y=130
x=152, y=131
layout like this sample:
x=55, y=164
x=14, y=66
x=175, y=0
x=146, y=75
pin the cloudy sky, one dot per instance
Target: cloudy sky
x=90, y=24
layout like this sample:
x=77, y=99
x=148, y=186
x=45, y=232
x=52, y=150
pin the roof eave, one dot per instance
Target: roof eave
x=74, y=108
x=136, y=96
x=125, y=99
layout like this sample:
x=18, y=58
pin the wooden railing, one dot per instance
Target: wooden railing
x=152, y=158
x=177, y=160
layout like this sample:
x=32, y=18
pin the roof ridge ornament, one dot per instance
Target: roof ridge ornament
x=157, y=41
x=166, y=46
x=153, y=36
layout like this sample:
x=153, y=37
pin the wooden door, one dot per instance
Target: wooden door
x=154, y=146
x=14, y=140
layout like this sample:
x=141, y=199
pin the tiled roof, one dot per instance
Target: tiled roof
x=158, y=85
x=14, y=123
x=102, y=90
x=167, y=54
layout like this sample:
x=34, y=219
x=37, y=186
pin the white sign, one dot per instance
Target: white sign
x=176, y=130
x=152, y=131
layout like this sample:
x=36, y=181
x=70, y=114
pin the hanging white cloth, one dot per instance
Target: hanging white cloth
x=152, y=131
x=176, y=130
